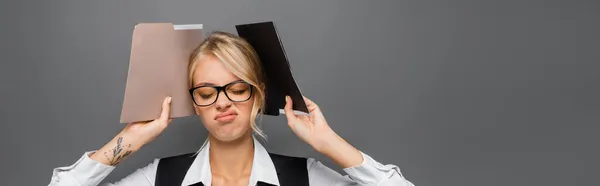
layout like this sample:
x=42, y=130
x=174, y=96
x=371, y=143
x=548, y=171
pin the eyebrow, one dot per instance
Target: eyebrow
x=212, y=84
x=204, y=84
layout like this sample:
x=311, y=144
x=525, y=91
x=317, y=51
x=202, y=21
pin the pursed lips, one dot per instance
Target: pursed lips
x=229, y=115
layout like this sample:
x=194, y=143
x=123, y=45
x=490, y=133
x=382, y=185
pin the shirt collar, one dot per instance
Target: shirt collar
x=263, y=169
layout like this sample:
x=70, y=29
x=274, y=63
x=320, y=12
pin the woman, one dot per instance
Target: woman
x=226, y=84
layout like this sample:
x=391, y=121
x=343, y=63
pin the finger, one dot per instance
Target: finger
x=289, y=112
x=313, y=108
x=166, y=109
x=140, y=122
x=309, y=103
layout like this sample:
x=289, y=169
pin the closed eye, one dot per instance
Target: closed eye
x=206, y=96
x=238, y=91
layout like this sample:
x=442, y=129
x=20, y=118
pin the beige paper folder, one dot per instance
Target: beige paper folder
x=158, y=68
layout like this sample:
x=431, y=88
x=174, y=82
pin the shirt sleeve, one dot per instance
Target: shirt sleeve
x=87, y=172
x=369, y=172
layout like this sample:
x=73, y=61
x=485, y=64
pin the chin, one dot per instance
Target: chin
x=228, y=132
x=226, y=138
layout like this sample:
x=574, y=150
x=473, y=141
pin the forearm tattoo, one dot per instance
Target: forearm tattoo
x=118, y=153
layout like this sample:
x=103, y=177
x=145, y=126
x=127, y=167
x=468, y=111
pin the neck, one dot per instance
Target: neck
x=232, y=159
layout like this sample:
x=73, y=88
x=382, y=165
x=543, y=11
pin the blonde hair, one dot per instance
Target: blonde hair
x=238, y=56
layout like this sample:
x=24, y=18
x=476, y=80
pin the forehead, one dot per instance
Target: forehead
x=210, y=69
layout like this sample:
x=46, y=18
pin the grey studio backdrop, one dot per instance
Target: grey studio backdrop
x=455, y=93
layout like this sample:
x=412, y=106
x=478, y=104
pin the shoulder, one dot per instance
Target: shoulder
x=282, y=161
x=191, y=155
x=286, y=157
x=291, y=170
x=175, y=162
x=178, y=160
x=173, y=167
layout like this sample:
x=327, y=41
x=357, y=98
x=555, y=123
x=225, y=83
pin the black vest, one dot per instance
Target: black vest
x=291, y=171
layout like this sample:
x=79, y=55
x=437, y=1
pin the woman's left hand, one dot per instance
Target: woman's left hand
x=312, y=129
x=315, y=131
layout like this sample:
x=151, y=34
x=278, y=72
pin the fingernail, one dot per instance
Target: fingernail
x=169, y=99
x=287, y=98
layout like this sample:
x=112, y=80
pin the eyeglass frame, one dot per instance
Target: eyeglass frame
x=219, y=89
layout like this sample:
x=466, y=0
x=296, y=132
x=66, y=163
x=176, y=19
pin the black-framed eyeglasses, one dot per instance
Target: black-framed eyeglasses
x=237, y=91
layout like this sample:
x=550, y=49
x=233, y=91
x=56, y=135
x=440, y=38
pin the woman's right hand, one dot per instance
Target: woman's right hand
x=133, y=137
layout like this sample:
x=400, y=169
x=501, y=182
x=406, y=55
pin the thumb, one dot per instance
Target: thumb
x=289, y=112
x=166, y=110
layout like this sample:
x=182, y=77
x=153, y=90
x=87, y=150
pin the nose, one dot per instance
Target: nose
x=222, y=101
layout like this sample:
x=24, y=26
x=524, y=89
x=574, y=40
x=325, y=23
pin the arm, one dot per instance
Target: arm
x=94, y=166
x=361, y=168
x=370, y=172
x=88, y=172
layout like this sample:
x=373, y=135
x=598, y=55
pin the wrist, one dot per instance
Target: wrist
x=115, y=151
x=331, y=145
x=129, y=140
x=327, y=143
x=341, y=152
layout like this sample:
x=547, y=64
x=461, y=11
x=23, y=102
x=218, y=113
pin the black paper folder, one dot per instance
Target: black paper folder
x=265, y=40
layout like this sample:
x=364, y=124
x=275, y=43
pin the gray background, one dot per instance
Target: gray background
x=455, y=93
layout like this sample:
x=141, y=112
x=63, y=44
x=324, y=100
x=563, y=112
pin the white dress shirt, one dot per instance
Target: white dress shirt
x=87, y=172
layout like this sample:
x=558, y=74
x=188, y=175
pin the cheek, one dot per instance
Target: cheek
x=245, y=107
x=198, y=110
x=201, y=111
x=204, y=115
